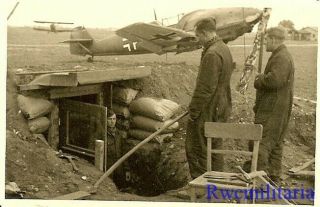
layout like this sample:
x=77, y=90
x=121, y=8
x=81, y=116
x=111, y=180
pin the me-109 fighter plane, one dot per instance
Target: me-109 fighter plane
x=52, y=27
x=141, y=38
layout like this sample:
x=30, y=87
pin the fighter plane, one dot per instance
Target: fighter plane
x=52, y=27
x=141, y=38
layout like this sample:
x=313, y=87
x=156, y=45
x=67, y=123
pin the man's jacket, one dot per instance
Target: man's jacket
x=275, y=91
x=212, y=94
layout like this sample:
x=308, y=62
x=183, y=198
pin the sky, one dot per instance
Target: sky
x=119, y=13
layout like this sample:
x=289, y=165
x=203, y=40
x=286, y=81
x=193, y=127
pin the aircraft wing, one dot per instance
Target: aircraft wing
x=77, y=41
x=156, y=38
x=42, y=29
x=50, y=30
x=53, y=22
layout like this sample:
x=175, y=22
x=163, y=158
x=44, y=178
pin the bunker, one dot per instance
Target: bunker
x=80, y=100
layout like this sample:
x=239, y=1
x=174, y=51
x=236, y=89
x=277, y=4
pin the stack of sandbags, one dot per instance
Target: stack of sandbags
x=35, y=109
x=122, y=97
x=149, y=115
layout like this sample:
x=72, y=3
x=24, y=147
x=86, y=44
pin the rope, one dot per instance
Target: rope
x=250, y=61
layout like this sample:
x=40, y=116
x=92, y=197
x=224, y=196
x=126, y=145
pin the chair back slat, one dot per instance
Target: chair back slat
x=233, y=131
x=246, y=153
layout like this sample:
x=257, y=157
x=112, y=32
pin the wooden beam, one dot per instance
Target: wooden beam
x=53, y=134
x=232, y=152
x=56, y=80
x=100, y=98
x=304, y=173
x=21, y=73
x=209, y=151
x=114, y=74
x=296, y=169
x=105, y=139
x=73, y=196
x=74, y=91
x=75, y=149
x=99, y=154
x=304, y=99
x=255, y=152
x=27, y=87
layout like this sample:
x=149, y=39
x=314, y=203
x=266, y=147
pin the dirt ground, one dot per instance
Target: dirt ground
x=37, y=170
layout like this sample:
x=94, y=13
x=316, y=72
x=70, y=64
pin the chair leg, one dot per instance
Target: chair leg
x=192, y=193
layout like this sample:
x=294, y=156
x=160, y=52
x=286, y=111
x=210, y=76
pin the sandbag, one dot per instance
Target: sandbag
x=34, y=107
x=123, y=134
x=152, y=125
x=39, y=125
x=159, y=109
x=141, y=135
x=123, y=124
x=124, y=95
x=121, y=110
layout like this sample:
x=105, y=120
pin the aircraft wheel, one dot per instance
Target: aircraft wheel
x=90, y=59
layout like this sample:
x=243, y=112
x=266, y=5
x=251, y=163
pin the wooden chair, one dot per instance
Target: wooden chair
x=227, y=131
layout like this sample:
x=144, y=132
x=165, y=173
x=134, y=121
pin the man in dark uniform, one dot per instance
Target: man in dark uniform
x=211, y=100
x=114, y=150
x=274, y=102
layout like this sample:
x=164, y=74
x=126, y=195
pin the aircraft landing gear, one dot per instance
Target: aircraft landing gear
x=90, y=59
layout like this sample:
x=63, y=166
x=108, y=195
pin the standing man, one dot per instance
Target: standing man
x=274, y=102
x=211, y=100
x=114, y=150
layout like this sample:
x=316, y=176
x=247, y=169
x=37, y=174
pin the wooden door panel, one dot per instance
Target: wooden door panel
x=81, y=124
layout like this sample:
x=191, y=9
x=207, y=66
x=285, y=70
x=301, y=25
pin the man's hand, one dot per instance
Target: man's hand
x=259, y=76
x=258, y=81
x=190, y=119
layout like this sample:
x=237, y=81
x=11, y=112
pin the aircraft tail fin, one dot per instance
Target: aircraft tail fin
x=80, y=41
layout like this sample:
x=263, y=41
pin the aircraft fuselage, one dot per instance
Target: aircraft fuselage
x=116, y=45
x=231, y=23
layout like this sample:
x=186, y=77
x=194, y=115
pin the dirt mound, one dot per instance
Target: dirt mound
x=302, y=126
x=37, y=169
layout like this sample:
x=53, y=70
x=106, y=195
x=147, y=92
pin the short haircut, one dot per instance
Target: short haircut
x=207, y=24
x=277, y=33
x=110, y=113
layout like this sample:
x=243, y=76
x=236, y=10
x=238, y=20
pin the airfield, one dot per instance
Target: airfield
x=173, y=77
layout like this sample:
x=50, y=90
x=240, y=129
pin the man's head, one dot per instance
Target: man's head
x=111, y=118
x=274, y=38
x=205, y=30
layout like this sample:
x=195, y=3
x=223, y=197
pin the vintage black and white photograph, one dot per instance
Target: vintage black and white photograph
x=160, y=101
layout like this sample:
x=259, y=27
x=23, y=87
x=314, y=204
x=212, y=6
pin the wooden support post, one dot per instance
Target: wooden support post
x=111, y=95
x=209, y=149
x=53, y=134
x=254, y=161
x=105, y=141
x=261, y=53
x=100, y=98
x=99, y=154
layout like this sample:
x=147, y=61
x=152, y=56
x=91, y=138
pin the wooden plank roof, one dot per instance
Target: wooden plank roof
x=84, y=77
